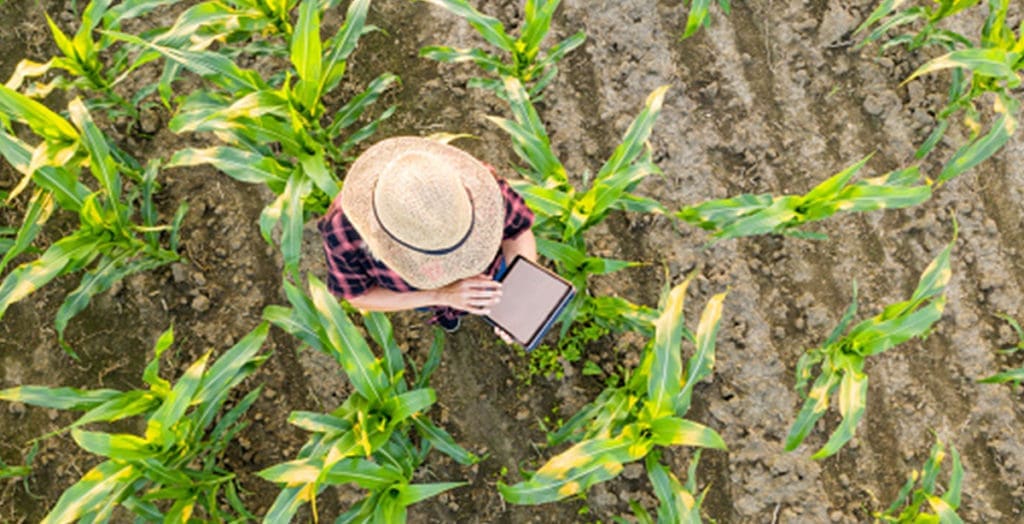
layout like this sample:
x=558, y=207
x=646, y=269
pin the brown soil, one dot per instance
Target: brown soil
x=769, y=99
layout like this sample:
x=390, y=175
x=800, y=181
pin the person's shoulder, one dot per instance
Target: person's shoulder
x=334, y=223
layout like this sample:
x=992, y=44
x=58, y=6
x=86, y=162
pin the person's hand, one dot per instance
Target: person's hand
x=475, y=294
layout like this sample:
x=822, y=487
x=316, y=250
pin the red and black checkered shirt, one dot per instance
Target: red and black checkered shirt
x=352, y=270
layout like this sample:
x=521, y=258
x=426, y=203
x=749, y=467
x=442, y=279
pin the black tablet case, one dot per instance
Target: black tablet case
x=531, y=300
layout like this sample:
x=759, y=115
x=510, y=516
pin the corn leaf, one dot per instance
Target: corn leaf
x=973, y=153
x=125, y=405
x=674, y=431
x=119, y=447
x=347, y=346
x=853, y=390
x=295, y=472
x=342, y=45
x=677, y=504
x=41, y=119
x=109, y=270
x=100, y=161
x=213, y=66
x=490, y=28
x=379, y=328
x=699, y=366
x=231, y=367
x=104, y=482
x=68, y=191
x=664, y=381
x=413, y=493
x=443, y=441
x=407, y=404
x=319, y=422
x=39, y=209
x=306, y=55
x=159, y=427
x=994, y=62
x=244, y=166
x=813, y=409
x=59, y=398
x=365, y=474
x=698, y=17
x=76, y=249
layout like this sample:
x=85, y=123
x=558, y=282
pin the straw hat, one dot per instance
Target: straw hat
x=429, y=211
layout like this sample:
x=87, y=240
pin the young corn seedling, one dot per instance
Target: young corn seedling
x=626, y=423
x=1015, y=376
x=108, y=245
x=749, y=214
x=367, y=439
x=528, y=63
x=841, y=357
x=278, y=135
x=994, y=65
x=678, y=503
x=700, y=15
x=564, y=214
x=912, y=504
x=93, y=66
x=172, y=472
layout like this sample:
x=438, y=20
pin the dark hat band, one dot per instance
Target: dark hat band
x=433, y=252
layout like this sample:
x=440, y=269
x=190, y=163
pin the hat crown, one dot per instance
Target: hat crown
x=420, y=200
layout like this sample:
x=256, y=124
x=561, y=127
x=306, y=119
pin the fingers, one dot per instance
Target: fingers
x=503, y=335
x=478, y=295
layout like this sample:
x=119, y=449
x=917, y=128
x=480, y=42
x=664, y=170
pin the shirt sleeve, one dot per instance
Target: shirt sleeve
x=347, y=263
x=518, y=217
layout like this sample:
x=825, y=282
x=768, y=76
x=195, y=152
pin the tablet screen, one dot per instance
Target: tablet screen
x=530, y=297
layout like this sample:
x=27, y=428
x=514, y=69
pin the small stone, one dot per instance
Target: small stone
x=201, y=303
x=836, y=516
x=199, y=279
x=179, y=272
x=523, y=414
x=844, y=480
x=633, y=471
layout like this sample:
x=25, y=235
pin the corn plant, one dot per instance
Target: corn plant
x=841, y=357
x=750, y=214
x=911, y=504
x=678, y=503
x=564, y=214
x=700, y=15
x=367, y=439
x=108, y=245
x=171, y=473
x=527, y=62
x=90, y=64
x=626, y=423
x=277, y=135
x=1016, y=376
x=994, y=64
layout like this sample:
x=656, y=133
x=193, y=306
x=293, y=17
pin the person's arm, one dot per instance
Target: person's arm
x=474, y=294
x=524, y=244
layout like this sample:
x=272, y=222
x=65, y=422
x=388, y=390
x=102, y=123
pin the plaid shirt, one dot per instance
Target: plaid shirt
x=352, y=271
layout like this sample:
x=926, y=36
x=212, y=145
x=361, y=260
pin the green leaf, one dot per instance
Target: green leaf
x=444, y=442
x=490, y=28
x=100, y=161
x=409, y=403
x=244, y=166
x=363, y=473
x=40, y=206
x=674, y=431
x=663, y=384
x=347, y=345
x=813, y=409
x=41, y=119
x=973, y=153
x=231, y=367
x=699, y=366
x=379, y=328
x=993, y=62
x=100, y=484
x=74, y=250
x=852, y=400
x=413, y=493
x=342, y=45
x=697, y=18
x=159, y=427
x=120, y=447
x=59, y=398
x=305, y=55
x=128, y=404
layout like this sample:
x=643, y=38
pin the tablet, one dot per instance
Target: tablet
x=531, y=300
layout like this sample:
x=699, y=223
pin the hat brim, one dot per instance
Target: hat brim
x=421, y=270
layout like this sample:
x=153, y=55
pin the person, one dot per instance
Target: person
x=421, y=224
